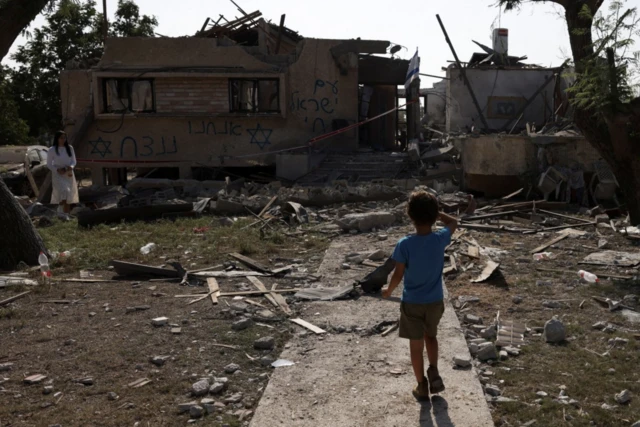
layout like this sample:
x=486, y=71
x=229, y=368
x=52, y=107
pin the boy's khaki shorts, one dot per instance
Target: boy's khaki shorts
x=418, y=320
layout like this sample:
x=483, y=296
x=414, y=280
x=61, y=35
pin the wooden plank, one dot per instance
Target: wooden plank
x=224, y=346
x=13, y=298
x=228, y=274
x=305, y=324
x=390, y=329
x=280, y=300
x=515, y=193
x=271, y=202
x=215, y=267
x=124, y=268
x=261, y=287
x=240, y=293
x=256, y=303
x=72, y=280
x=490, y=268
x=370, y=263
x=564, y=216
x=491, y=215
x=27, y=171
x=552, y=242
x=562, y=227
x=214, y=289
x=253, y=264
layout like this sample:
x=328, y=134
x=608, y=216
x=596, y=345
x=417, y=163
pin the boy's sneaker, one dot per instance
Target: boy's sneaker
x=436, y=385
x=421, y=391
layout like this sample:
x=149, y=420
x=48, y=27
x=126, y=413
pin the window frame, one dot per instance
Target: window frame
x=256, y=94
x=129, y=85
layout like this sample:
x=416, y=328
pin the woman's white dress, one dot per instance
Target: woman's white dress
x=65, y=187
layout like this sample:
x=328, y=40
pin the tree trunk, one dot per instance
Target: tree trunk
x=20, y=240
x=612, y=135
x=15, y=15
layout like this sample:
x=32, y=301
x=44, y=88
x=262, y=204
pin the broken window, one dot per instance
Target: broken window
x=254, y=95
x=128, y=95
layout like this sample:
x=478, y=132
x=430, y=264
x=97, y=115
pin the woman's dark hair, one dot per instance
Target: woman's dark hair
x=66, y=143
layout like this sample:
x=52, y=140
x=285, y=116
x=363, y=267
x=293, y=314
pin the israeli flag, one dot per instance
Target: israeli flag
x=412, y=72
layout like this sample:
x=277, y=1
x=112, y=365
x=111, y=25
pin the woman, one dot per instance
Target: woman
x=61, y=160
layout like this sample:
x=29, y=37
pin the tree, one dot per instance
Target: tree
x=605, y=109
x=73, y=33
x=15, y=15
x=13, y=130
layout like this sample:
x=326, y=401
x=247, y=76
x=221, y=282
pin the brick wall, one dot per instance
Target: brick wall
x=192, y=95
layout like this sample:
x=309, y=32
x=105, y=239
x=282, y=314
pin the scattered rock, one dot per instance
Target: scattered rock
x=554, y=331
x=542, y=394
x=618, y=341
x=267, y=360
x=609, y=329
x=543, y=283
x=611, y=371
x=160, y=321
x=382, y=237
x=200, y=388
x=265, y=316
x=486, y=351
x=602, y=219
x=5, y=367
x=226, y=222
x=185, y=407
x=603, y=244
x=512, y=351
x=346, y=266
x=231, y=368
x=112, y=396
x=474, y=320
x=623, y=397
x=489, y=333
x=492, y=390
x=48, y=389
x=552, y=304
x=264, y=343
x=378, y=255
x=468, y=299
x=608, y=407
x=239, y=306
x=241, y=324
x=234, y=398
x=462, y=361
x=517, y=299
x=217, y=388
x=159, y=360
x=196, y=411
x=599, y=325
x=503, y=355
x=86, y=381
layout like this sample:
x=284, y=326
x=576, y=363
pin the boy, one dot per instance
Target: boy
x=420, y=260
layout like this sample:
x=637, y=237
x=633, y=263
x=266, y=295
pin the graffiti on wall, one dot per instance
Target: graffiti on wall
x=145, y=146
x=317, y=108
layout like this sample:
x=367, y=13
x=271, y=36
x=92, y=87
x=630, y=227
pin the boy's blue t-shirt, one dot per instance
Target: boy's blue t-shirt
x=423, y=257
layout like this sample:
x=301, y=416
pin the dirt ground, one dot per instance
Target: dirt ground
x=92, y=335
x=590, y=379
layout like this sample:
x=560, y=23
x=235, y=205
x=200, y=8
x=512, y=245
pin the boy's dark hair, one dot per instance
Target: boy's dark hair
x=423, y=208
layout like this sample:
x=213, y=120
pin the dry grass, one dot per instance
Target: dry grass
x=545, y=367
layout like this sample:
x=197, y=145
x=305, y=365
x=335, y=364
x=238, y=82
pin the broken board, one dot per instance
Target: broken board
x=253, y=264
x=551, y=243
x=131, y=269
x=214, y=289
x=621, y=259
x=305, y=324
x=228, y=274
x=324, y=294
x=261, y=287
x=280, y=300
x=489, y=269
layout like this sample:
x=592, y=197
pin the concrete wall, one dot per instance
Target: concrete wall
x=313, y=94
x=513, y=86
x=437, y=105
x=495, y=164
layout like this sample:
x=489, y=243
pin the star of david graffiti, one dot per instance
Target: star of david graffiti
x=100, y=147
x=260, y=136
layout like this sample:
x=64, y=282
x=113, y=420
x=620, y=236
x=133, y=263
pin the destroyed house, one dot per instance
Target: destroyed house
x=234, y=95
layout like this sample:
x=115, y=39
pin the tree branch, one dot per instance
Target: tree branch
x=15, y=15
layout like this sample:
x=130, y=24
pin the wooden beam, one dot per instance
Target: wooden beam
x=261, y=287
x=564, y=216
x=240, y=293
x=309, y=326
x=271, y=202
x=552, y=242
x=491, y=215
x=13, y=298
x=515, y=193
x=280, y=300
x=214, y=289
x=562, y=227
x=279, y=40
x=253, y=264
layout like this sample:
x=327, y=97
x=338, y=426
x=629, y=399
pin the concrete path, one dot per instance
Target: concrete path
x=342, y=380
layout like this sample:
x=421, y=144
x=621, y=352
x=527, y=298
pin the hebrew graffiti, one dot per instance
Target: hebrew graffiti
x=260, y=136
x=316, y=108
x=100, y=147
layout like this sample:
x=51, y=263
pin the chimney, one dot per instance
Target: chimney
x=501, y=40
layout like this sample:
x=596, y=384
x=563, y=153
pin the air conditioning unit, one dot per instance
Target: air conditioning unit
x=501, y=40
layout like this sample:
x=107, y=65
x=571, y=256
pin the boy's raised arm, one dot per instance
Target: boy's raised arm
x=450, y=222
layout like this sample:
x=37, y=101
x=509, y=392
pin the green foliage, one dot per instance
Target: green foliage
x=13, y=130
x=73, y=33
x=614, y=30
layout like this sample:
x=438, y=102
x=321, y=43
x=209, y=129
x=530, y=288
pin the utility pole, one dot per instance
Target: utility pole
x=105, y=25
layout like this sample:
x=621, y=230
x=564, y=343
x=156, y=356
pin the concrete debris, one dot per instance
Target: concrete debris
x=200, y=388
x=554, y=331
x=159, y=360
x=542, y=394
x=48, y=389
x=492, y=390
x=608, y=407
x=517, y=299
x=618, y=341
x=217, y=388
x=503, y=355
x=462, y=361
x=512, y=351
x=471, y=319
x=231, y=368
x=265, y=316
x=486, y=351
x=112, y=396
x=160, y=321
x=234, y=398
x=241, y=324
x=552, y=304
x=264, y=343
x=186, y=407
x=364, y=222
x=623, y=397
x=196, y=411
x=5, y=366
x=239, y=306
